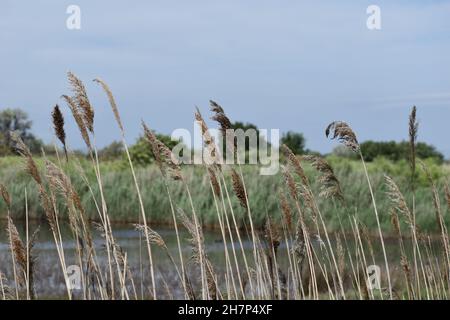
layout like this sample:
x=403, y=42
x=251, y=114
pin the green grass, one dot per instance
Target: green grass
x=263, y=192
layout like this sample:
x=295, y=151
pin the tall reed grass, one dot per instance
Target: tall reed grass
x=307, y=215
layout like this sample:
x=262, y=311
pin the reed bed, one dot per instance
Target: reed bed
x=297, y=235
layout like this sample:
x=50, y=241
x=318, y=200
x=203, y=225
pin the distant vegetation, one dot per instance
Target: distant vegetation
x=16, y=120
x=140, y=153
x=392, y=150
x=118, y=189
x=295, y=141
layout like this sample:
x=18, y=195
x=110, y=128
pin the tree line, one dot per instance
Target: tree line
x=17, y=120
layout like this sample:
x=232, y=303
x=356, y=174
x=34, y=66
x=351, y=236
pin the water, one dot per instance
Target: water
x=49, y=280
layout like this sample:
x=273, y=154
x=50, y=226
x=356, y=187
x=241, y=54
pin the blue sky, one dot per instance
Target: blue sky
x=292, y=65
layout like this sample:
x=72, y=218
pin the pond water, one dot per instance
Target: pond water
x=49, y=280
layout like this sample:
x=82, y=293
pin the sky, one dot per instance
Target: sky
x=288, y=65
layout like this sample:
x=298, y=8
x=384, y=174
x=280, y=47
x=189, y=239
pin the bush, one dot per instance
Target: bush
x=112, y=151
x=141, y=153
x=391, y=150
x=295, y=141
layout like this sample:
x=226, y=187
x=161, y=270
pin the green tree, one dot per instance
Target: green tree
x=141, y=153
x=113, y=151
x=246, y=126
x=424, y=151
x=295, y=141
x=394, y=151
x=16, y=120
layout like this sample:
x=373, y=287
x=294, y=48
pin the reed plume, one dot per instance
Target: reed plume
x=32, y=170
x=224, y=126
x=290, y=183
x=199, y=255
x=154, y=145
x=330, y=186
x=413, y=129
x=112, y=102
x=77, y=115
x=49, y=209
x=153, y=236
x=81, y=100
x=22, y=149
x=58, y=125
x=398, y=201
x=171, y=161
x=60, y=183
x=238, y=188
x=220, y=117
x=18, y=249
x=214, y=181
x=164, y=157
x=294, y=162
x=286, y=210
x=344, y=134
x=5, y=195
x=305, y=187
x=194, y=230
x=213, y=152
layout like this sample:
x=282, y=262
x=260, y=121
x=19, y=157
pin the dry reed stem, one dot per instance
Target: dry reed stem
x=198, y=253
x=413, y=129
x=344, y=133
x=141, y=204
